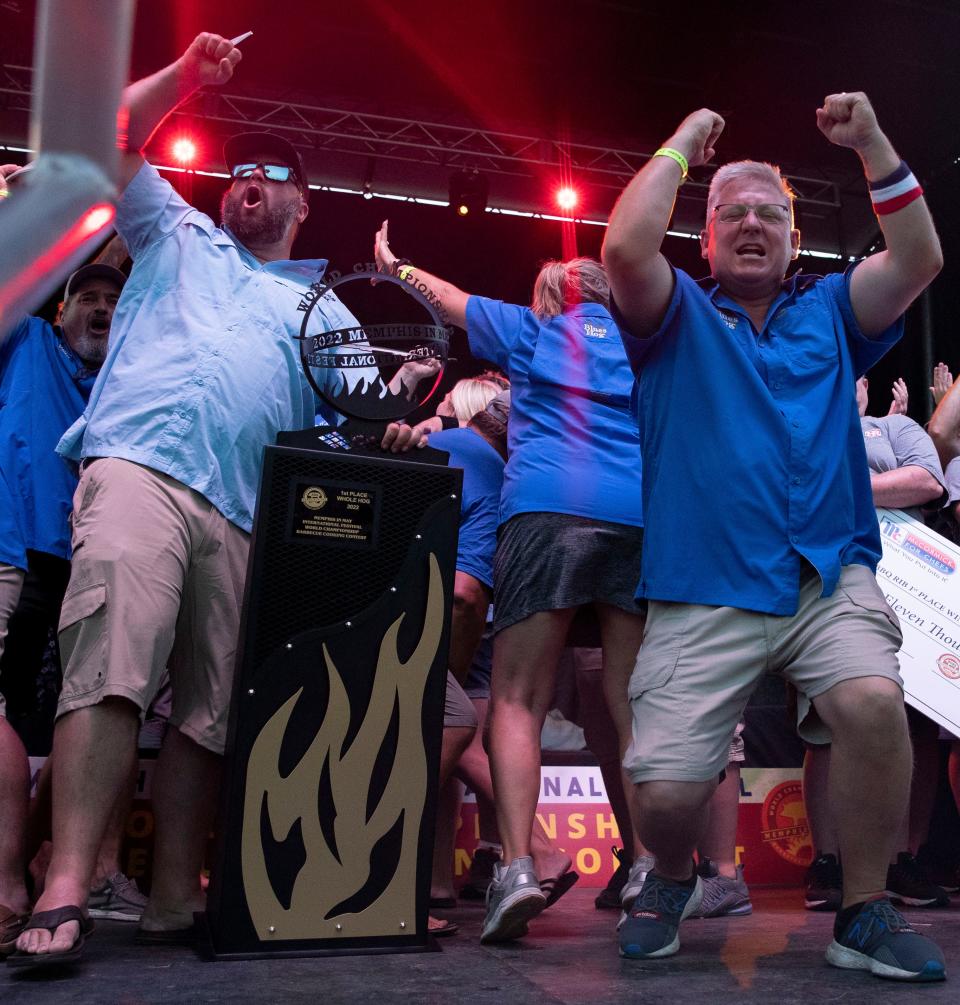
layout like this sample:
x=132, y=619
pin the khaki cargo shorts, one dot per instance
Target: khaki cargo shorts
x=156, y=581
x=698, y=666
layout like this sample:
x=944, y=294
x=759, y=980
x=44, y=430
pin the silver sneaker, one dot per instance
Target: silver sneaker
x=638, y=873
x=723, y=896
x=513, y=898
x=118, y=899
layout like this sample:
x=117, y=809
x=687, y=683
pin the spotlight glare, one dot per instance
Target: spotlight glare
x=463, y=209
x=184, y=150
x=567, y=197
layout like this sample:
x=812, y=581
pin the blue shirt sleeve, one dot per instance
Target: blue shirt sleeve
x=150, y=208
x=494, y=329
x=639, y=350
x=865, y=351
x=12, y=339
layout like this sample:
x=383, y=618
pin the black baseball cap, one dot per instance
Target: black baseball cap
x=246, y=147
x=95, y=271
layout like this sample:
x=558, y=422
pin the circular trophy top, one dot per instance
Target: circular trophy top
x=377, y=371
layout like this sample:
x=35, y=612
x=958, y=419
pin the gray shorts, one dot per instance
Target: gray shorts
x=698, y=666
x=458, y=709
x=552, y=561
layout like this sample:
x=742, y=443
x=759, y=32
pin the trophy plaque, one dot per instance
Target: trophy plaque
x=325, y=836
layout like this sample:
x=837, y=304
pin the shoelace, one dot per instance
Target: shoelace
x=882, y=914
x=657, y=896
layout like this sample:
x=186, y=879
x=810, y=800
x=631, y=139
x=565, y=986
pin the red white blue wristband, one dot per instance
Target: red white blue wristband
x=895, y=191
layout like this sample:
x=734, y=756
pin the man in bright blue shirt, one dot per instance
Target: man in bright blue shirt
x=46, y=372
x=761, y=537
x=202, y=373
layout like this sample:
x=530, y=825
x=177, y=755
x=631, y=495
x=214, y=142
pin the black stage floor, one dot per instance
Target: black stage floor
x=774, y=955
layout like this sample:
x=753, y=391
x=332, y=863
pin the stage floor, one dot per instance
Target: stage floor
x=774, y=955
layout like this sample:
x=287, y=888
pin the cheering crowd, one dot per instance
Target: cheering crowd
x=745, y=542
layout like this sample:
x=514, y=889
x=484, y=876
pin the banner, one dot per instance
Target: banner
x=918, y=575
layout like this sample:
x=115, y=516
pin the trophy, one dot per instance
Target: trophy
x=324, y=840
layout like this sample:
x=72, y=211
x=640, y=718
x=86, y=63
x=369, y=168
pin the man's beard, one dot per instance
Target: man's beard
x=92, y=350
x=266, y=227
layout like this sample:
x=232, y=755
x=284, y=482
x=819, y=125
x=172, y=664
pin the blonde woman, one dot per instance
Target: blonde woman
x=570, y=529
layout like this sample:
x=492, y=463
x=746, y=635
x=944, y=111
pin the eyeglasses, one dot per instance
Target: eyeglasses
x=272, y=172
x=767, y=212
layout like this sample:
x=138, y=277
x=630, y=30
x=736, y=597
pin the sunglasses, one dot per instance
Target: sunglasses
x=272, y=172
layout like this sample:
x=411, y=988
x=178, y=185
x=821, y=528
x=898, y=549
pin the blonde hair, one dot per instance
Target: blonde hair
x=560, y=285
x=761, y=171
x=470, y=396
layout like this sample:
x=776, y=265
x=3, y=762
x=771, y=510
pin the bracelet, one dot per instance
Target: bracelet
x=895, y=191
x=676, y=156
x=405, y=271
x=398, y=264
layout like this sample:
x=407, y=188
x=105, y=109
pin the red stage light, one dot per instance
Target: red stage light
x=184, y=150
x=567, y=197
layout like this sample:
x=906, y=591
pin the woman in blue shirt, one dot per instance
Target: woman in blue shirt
x=570, y=528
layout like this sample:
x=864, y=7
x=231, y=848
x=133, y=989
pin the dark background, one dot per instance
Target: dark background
x=615, y=74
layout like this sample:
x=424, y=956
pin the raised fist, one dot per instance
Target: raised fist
x=209, y=59
x=848, y=120
x=696, y=135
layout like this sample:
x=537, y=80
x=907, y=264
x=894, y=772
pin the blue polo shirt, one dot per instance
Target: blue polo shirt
x=480, y=502
x=43, y=388
x=572, y=441
x=203, y=370
x=752, y=448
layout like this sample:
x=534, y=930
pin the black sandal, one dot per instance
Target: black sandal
x=51, y=921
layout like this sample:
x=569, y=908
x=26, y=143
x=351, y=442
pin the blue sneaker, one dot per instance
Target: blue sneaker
x=880, y=939
x=651, y=929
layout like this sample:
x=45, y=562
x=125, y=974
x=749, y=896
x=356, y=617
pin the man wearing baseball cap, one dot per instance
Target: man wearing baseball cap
x=203, y=372
x=46, y=374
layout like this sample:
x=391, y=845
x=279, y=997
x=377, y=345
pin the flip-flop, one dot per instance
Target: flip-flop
x=447, y=928
x=554, y=887
x=51, y=920
x=166, y=936
x=11, y=925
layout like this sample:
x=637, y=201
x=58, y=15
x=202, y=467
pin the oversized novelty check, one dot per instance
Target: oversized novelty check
x=920, y=576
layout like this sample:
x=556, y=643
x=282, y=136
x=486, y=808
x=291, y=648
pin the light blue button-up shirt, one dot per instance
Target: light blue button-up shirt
x=203, y=370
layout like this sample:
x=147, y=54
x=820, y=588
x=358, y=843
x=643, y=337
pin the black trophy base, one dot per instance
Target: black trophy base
x=207, y=951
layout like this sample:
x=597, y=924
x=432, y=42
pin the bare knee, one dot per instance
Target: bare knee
x=864, y=708
x=670, y=798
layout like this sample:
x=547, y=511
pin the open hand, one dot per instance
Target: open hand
x=848, y=120
x=900, y=397
x=209, y=59
x=942, y=381
x=382, y=255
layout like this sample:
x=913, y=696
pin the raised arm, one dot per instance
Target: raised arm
x=209, y=59
x=944, y=425
x=640, y=277
x=451, y=299
x=883, y=286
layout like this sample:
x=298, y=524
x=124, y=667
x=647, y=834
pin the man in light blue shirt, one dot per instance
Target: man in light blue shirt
x=201, y=374
x=761, y=536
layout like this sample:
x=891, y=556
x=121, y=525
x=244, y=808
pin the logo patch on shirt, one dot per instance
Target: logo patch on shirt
x=594, y=331
x=730, y=320
x=872, y=433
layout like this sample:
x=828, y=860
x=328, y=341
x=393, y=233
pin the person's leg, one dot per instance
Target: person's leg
x=444, y=840
x=108, y=856
x=719, y=841
x=816, y=799
x=14, y=802
x=525, y=658
x=621, y=634
x=116, y=630
x=925, y=737
x=185, y=791
x=92, y=749
x=14, y=772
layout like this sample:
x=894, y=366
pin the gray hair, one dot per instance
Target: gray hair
x=759, y=171
x=560, y=285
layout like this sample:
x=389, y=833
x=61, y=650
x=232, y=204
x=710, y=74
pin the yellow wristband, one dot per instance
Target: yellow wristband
x=404, y=272
x=676, y=156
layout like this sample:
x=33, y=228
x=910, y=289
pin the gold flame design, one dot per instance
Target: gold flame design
x=323, y=882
